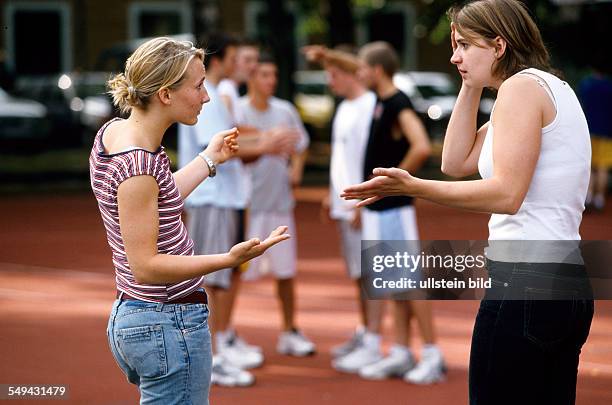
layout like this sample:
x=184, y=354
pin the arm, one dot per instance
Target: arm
x=139, y=224
x=222, y=147
x=516, y=149
x=297, y=167
x=462, y=142
x=415, y=132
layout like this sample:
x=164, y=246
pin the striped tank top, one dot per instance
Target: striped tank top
x=107, y=172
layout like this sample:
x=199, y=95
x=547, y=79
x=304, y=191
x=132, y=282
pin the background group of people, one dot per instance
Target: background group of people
x=252, y=194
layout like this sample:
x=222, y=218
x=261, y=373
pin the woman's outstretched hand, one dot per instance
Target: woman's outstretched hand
x=223, y=146
x=251, y=248
x=387, y=182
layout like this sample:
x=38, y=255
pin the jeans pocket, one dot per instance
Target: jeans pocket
x=549, y=322
x=143, y=349
x=193, y=317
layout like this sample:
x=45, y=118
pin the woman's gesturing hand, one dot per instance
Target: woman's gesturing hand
x=223, y=146
x=387, y=182
x=251, y=248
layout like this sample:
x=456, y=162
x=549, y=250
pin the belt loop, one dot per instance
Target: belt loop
x=160, y=306
x=120, y=295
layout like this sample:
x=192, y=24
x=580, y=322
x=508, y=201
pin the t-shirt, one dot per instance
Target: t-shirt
x=387, y=145
x=596, y=98
x=229, y=88
x=107, y=172
x=350, y=131
x=271, y=191
x=228, y=189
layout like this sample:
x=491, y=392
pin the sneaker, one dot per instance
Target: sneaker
x=227, y=375
x=399, y=361
x=243, y=345
x=238, y=357
x=351, y=345
x=358, y=358
x=294, y=343
x=431, y=369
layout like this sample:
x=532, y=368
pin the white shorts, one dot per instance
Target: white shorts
x=215, y=230
x=351, y=248
x=392, y=224
x=280, y=260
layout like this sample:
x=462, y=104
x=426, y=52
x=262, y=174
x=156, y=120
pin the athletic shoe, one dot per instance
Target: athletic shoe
x=429, y=370
x=238, y=356
x=226, y=375
x=347, y=347
x=243, y=345
x=294, y=343
x=358, y=358
x=399, y=361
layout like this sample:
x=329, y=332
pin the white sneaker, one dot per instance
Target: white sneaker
x=399, y=361
x=239, y=357
x=226, y=375
x=358, y=358
x=347, y=347
x=294, y=343
x=429, y=370
x=243, y=345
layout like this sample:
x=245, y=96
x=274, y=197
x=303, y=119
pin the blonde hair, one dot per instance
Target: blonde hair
x=510, y=20
x=157, y=64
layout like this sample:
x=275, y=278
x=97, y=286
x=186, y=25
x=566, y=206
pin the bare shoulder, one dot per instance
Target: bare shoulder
x=524, y=90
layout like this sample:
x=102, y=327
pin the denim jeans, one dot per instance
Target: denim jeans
x=164, y=349
x=527, y=351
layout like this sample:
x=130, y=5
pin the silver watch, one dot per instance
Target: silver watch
x=212, y=169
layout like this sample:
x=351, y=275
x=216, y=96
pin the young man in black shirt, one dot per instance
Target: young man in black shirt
x=397, y=139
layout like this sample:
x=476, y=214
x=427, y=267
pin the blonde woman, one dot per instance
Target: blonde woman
x=158, y=330
x=534, y=159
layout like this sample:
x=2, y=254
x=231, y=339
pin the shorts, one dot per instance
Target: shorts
x=280, y=260
x=386, y=233
x=351, y=248
x=602, y=151
x=215, y=230
x=392, y=224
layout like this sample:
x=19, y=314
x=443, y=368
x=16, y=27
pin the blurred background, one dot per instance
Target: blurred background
x=55, y=57
x=56, y=274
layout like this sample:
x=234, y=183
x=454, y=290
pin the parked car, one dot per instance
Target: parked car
x=77, y=103
x=22, y=121
x=433, y=95
x=313, y=100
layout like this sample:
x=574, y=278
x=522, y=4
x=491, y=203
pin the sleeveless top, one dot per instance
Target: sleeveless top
x=552, y=209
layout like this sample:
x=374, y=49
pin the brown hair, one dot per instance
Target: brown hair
x=381, y=53
x=510, y=20
x=157, y=64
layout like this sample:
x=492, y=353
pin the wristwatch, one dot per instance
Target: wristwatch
x=212, y=169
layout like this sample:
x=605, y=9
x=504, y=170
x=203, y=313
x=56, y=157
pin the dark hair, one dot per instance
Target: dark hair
x=266, y=57
x=216, y=46
x=381, y=53
x=510, y=20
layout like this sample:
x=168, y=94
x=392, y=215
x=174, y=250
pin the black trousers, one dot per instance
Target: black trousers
x=526, y=351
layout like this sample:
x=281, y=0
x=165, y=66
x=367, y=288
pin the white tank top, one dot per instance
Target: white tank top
x=552, y=209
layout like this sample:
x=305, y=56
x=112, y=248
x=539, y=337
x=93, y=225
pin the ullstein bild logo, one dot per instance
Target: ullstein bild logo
x=514, y=270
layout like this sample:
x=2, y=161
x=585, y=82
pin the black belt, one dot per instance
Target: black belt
x=196, y=297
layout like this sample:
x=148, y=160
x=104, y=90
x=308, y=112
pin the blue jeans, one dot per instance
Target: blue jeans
x=164, y=349
x=527, y=351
